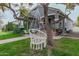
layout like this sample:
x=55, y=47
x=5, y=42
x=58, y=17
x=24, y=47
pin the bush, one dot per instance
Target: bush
x=19, y=31
x=9, y=27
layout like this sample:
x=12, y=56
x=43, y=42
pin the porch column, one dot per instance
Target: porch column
x=63, y=26
x=56, y=19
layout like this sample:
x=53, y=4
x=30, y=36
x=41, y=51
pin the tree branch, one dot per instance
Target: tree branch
x=14, y=13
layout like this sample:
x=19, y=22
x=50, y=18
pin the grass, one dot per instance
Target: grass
x=15, y=48
x=3, y=33
x=8, y=35
x=18, y=48
x=64, y=47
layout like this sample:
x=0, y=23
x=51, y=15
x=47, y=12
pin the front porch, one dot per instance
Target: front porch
x=56, y=19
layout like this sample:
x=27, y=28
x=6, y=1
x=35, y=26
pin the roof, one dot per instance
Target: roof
x=38, y=12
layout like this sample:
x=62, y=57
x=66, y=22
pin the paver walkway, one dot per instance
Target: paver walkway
x=13, y=39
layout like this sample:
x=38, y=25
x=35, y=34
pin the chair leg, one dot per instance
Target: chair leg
x=36, y=47
x=44, y=44
x=41, y=46
x=33, y=47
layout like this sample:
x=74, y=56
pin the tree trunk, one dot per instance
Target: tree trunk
x=48, y=29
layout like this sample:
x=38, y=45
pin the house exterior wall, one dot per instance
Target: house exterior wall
x=68, y=25
x=38, y=13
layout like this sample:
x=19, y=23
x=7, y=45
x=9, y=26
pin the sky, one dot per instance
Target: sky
x=8, y=16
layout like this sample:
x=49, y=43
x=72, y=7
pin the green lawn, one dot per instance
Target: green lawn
x=64, y=47
x=18, y=48
x=15, y=48
x=3, y=33
x=7, y=35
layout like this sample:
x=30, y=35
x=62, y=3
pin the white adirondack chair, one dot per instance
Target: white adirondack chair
x=38, y=39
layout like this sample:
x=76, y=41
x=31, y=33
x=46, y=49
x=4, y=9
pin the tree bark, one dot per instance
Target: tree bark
x=49, y=31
